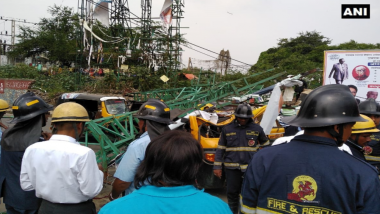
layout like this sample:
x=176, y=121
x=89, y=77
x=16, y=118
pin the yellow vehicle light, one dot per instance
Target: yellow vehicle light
x=210, y=157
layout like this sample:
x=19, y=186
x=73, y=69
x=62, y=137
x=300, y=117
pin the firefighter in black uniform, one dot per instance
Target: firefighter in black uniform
x=238, y=142
x=310, y=174
x=30, y=115
x=371, y=109
x=360, y=136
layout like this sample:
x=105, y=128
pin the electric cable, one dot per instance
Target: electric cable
x=212, y=56
x=91, y=1
x=214, y=52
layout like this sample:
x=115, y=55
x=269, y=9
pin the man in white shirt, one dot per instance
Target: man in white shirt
x=61, y=171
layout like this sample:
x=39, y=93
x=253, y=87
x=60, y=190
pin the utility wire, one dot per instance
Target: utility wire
x=17, y=20
x=91, y=1
x=214, y=57
x=214, y=52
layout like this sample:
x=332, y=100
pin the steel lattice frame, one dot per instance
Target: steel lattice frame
x=120, y=16
x=174, y=62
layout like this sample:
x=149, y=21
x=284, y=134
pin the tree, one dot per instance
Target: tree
x=55, y=37
x=303, y=53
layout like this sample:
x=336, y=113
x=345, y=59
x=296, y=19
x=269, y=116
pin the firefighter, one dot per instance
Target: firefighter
x=30, y=116
x=360, y=136
x=238, y=142
x=4, y=106
x=61, y=171
x=154, y=118
x=372, y=109
x=310, y=174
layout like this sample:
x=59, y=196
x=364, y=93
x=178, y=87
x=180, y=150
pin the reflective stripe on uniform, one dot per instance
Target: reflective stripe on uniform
x=265, y=211
x=244, y=166
x=372, y=158
x=217, y=163
x=221, y=147
x=246, y=209
x=266, y=143
x=241, y=149
x=231, y=164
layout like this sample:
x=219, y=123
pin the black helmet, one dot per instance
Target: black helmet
x=369, y=107
x=155, y=110
x=28, y=106
x=244, y=111
x=326, y=106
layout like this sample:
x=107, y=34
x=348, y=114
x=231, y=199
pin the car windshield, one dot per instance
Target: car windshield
x=115, y=106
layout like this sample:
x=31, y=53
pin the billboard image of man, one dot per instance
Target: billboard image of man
x=372, y=94
x=340, y=71
x=360, y=73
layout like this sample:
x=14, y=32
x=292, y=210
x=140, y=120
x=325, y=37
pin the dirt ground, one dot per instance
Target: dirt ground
x=101, y=199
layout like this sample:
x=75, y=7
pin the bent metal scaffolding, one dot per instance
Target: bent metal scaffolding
x=158, y=46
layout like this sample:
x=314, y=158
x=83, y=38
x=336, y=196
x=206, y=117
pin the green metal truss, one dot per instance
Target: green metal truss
x=113, y=133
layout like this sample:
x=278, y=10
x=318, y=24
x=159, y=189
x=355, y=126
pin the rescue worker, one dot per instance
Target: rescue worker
x=63, y=173
x=4, y=106
x=310, y=174
x=372, y=109
x=154, y=118
x=360, y=136
x=30, y=116
x=238, y=142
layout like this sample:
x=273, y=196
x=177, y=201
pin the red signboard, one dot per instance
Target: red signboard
x=2, y=85
x=14, y=84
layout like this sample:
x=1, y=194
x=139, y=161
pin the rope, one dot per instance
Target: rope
x=89, y=30
x=106, y=34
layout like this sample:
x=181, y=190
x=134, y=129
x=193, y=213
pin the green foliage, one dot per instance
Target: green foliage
x=65, y=81
x=54, y=36
x=352, y=45
x=301, y=54
x=20, y=71
x=144, y=79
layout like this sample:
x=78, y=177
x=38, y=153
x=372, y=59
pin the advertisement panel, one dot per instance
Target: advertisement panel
x=2, y=85
x=10, y=89
x=360, y=68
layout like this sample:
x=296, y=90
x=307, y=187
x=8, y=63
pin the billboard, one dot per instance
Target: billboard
x=360, y=68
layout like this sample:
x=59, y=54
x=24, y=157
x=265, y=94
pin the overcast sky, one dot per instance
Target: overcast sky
x=244, y=27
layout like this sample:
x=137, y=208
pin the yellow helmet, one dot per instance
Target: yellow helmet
x=69, y=111
x=364, y=127
x=3, y=105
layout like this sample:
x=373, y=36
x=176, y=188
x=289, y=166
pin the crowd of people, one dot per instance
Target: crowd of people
x=330, y=166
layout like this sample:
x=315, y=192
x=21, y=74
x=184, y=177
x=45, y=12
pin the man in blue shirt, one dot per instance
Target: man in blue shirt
x=310, y=174
x=154, y=117
x=166, y=180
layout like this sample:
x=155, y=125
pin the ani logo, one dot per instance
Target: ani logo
x=304, y=189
